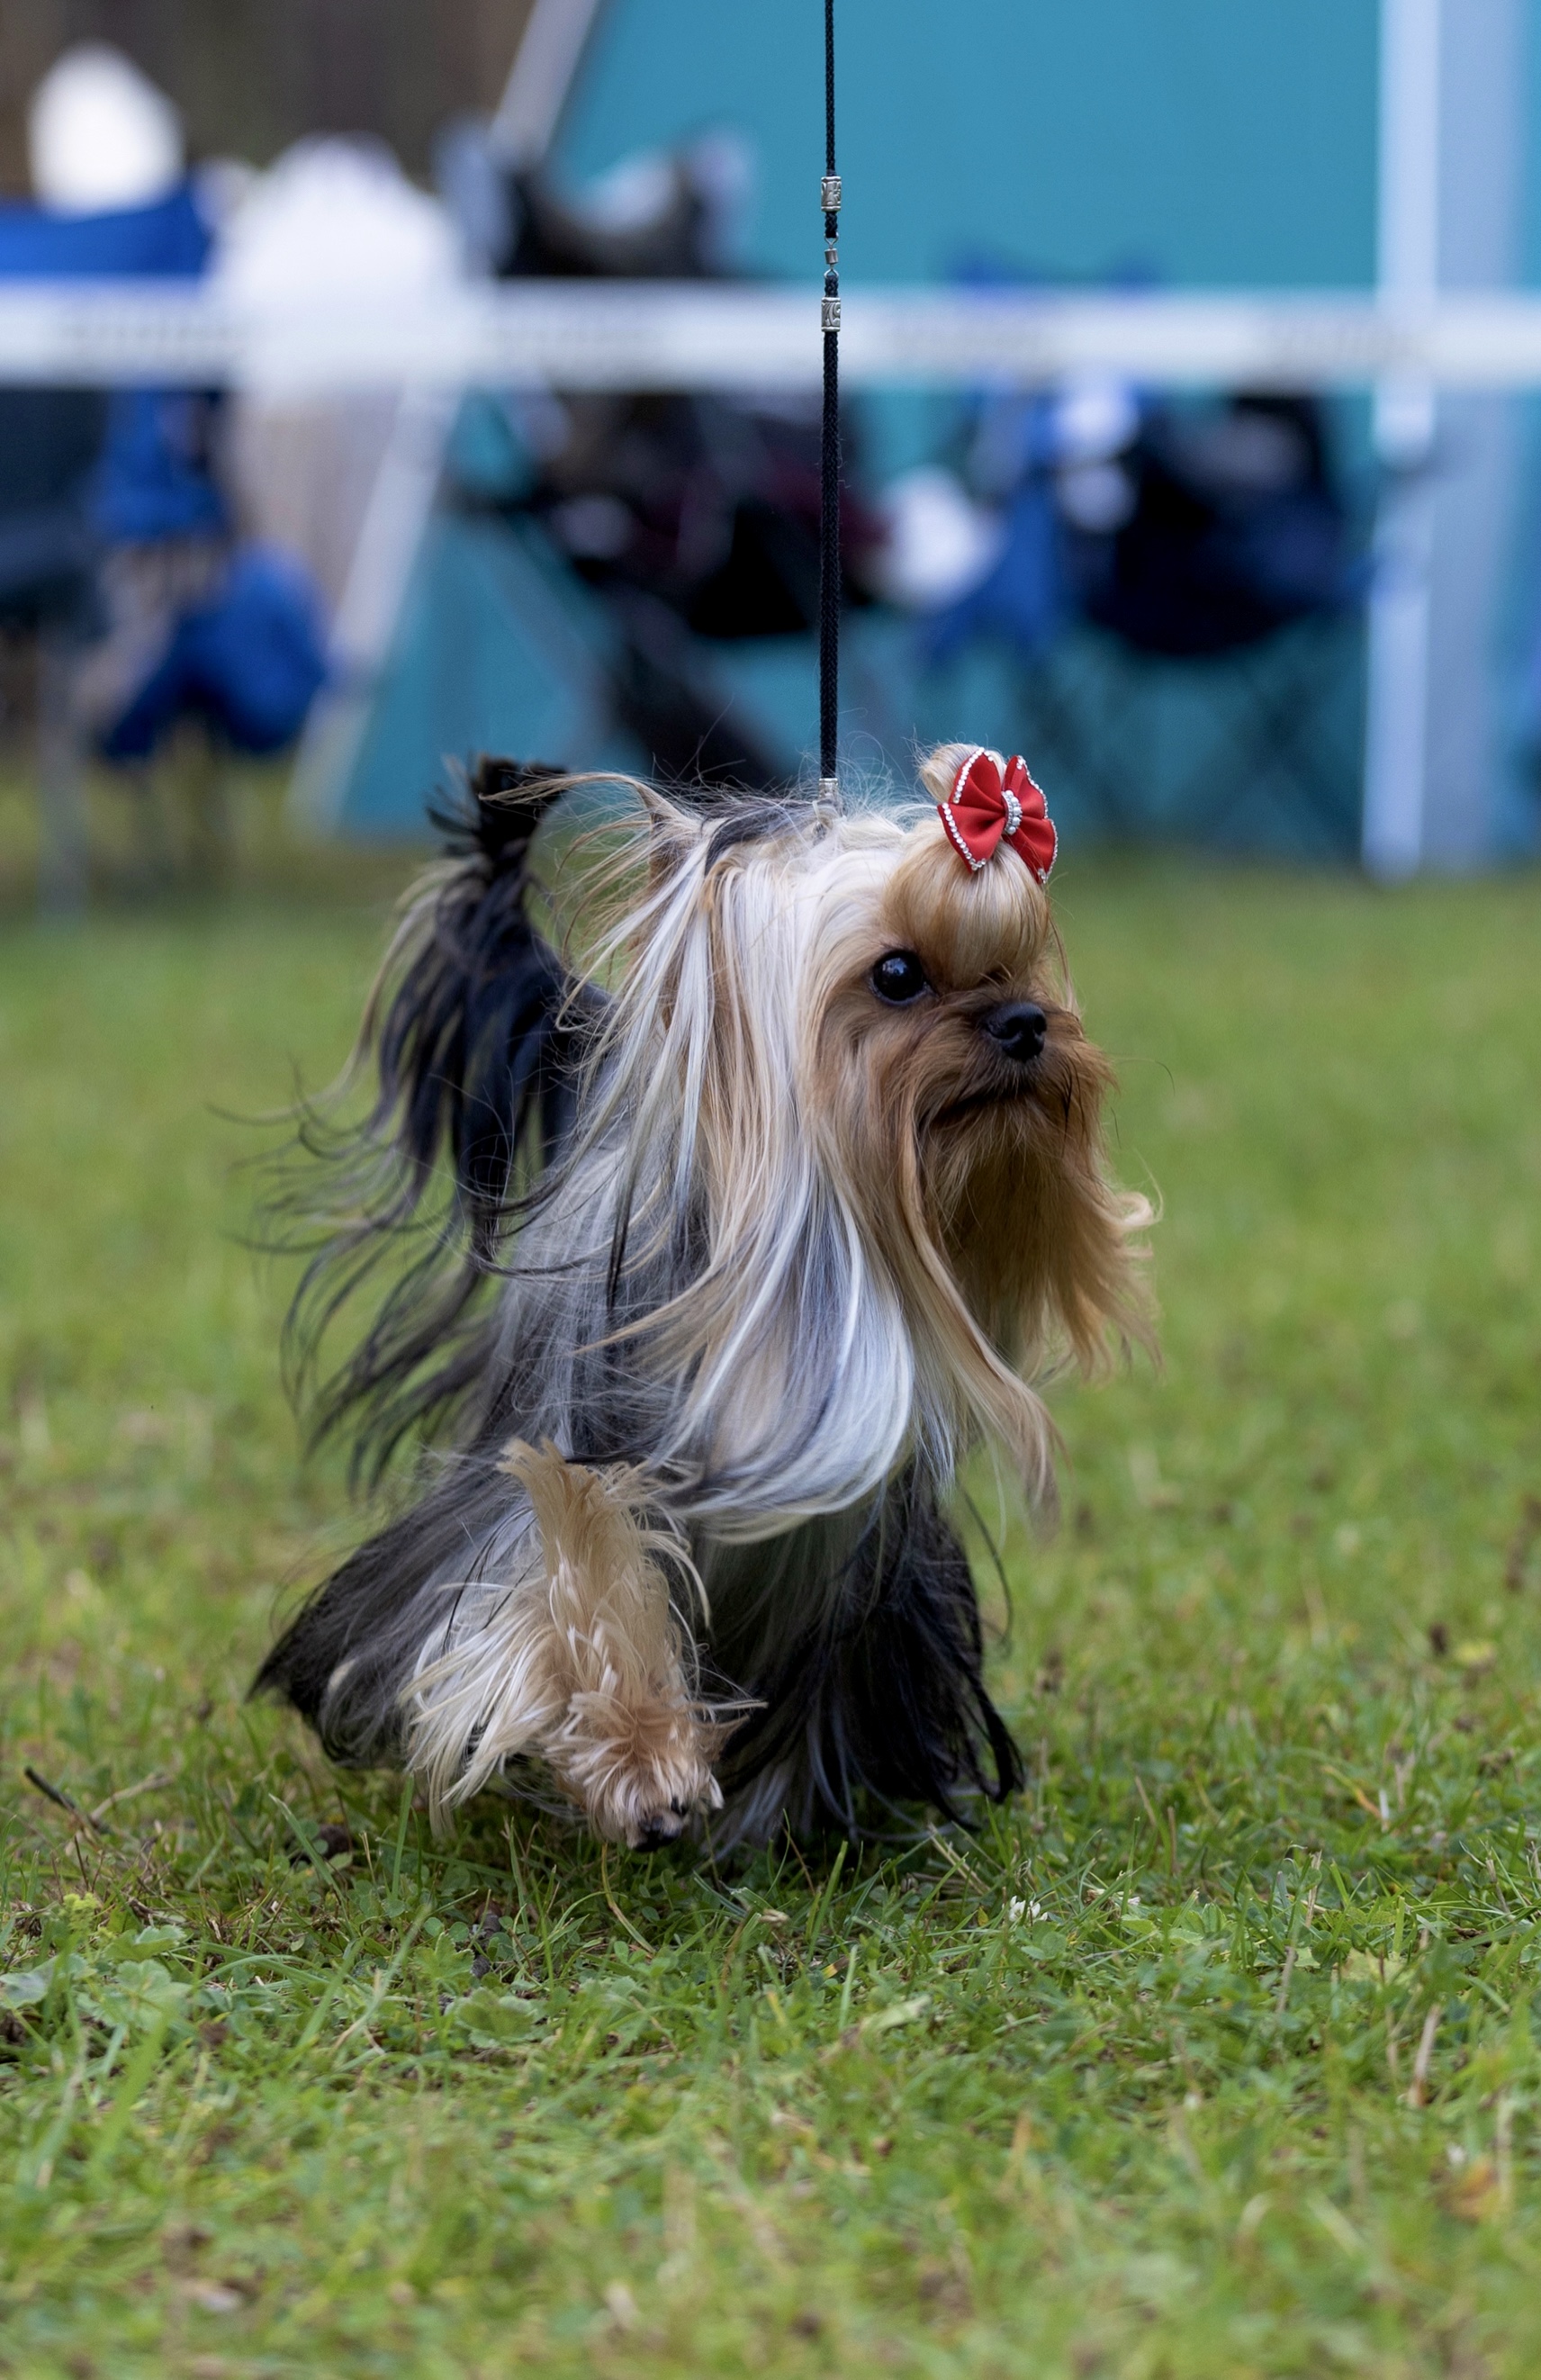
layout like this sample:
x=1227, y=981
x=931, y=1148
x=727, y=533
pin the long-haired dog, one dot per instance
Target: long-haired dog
x=736, y=1231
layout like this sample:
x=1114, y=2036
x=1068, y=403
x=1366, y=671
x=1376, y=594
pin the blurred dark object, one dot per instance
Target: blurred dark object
x=662, y=696
x=666, y=216
x=50, y=445
x=1143, y=562
x=1184, y=530
x=694, y=517
x=1236, y=568
x=663, y=240
x=708, y=503
x=1234, y=529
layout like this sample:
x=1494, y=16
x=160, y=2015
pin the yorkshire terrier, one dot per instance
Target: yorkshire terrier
x=735, y=1231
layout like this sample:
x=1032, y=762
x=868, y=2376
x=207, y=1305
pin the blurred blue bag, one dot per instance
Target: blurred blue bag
x=1024, y=599
x=248, y=663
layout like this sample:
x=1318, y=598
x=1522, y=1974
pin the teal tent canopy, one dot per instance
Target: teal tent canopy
x=1195, y=142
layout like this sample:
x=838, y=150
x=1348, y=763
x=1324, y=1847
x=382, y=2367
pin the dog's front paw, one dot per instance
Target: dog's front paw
x=638, y=1762
x=647, y=1801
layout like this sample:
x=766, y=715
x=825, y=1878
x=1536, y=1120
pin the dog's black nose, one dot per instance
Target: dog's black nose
x=1019, y=1027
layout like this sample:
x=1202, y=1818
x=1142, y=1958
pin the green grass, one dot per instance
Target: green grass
x=1213, y=2054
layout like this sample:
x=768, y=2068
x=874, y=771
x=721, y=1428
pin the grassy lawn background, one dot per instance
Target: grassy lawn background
x=1213, y=2054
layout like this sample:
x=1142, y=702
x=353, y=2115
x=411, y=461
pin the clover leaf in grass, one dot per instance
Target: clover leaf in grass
x=25, y=1987
x=496, y=2019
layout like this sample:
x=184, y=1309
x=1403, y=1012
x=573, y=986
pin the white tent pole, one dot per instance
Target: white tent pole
x=540, y=80
x=1396, y=741
x=394, y=522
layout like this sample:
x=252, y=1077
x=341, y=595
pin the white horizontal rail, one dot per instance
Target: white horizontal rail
x=598, y=335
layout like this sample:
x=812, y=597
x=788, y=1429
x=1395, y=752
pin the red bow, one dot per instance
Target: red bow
x=986, y=808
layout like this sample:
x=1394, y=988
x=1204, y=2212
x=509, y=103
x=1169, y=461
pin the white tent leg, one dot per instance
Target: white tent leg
x=1450, y=186
x=1396, y=737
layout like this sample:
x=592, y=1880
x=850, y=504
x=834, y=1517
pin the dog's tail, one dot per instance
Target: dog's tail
x=473, y=1034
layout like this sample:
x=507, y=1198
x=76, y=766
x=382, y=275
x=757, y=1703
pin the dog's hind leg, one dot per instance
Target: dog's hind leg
x=582, y=1661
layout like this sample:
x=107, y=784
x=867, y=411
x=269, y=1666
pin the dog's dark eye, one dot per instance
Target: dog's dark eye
x=899, y=977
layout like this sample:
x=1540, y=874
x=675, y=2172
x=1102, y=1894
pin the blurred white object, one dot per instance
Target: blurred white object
x=100, y=136
x=630, y=195
x=1092, y=421
x=334, y=226
x=1094, y=416
x=333, y=219
x=539, y=334
x=302, y=472
x=938, y=543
